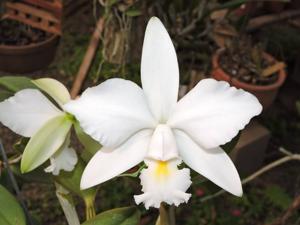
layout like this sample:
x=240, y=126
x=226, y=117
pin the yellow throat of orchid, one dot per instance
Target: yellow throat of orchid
x=162, y=169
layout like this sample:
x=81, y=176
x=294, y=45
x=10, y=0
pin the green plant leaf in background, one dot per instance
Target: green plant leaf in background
x=11, y=212
x=4, y=95
x=55, y=89
x=90, y=145
x=45, y=142
x=133, y=12
x=9, y=85
x=15, y=83
x=71, y=181
x=20, y=145
x=278, y=197
x=119, y=216
x=37, y=175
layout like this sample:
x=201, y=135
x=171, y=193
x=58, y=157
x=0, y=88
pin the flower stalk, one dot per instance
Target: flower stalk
x=163, y=218
x=67, y=205
x=90, y=211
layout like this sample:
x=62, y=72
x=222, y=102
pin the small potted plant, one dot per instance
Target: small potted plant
x=23, y=48
x=249, y=67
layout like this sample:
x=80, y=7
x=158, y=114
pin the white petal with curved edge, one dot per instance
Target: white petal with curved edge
x=164, y=182
x=159, y=70
x=212, y=113
x=214, y=164
x=112, y=111
x=108, y=163
x=55, y=89
x=27, y=111
x=64, y=159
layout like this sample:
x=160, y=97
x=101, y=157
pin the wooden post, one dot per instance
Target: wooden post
x=88, y=58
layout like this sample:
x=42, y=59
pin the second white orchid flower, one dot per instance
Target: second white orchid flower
x=149, y=125
x=30, y=113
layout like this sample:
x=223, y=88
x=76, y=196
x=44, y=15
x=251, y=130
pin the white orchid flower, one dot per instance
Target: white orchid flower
x=149, y=125
x=30, y=114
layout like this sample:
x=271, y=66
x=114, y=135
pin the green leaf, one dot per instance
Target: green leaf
x=11, y=212
x=38, y=175
x=133, y=12
x=5, y=94
x=55, y=89
x=278, y=197
x=20, y=145
x=45, y=142
x=119, y=216
x=15, y=84
x=71, y=181
x=90, y=144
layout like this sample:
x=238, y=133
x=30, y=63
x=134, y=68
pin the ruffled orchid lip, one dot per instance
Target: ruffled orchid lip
x=162, y=181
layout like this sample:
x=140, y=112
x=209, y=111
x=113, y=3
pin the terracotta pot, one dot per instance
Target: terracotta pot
x=28, y=58
x=266, y=94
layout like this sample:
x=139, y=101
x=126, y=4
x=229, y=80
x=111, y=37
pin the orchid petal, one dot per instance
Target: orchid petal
x=45, y=142
x=27, y=111
x=108, y=163
x=64, y=159
x=212, y=113
x=55, y=89
x=214, y=164
x=159, y=70
x=112, y=111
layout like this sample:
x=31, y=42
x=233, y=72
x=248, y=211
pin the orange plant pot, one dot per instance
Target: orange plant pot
x=266, y=94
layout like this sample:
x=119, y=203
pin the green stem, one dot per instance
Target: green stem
x=90, y=211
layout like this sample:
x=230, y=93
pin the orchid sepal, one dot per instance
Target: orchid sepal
x=45, y=142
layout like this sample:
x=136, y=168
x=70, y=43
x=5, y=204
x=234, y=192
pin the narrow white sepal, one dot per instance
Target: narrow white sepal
x=159, y=70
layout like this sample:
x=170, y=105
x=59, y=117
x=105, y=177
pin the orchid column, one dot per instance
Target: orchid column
x=149, y=125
